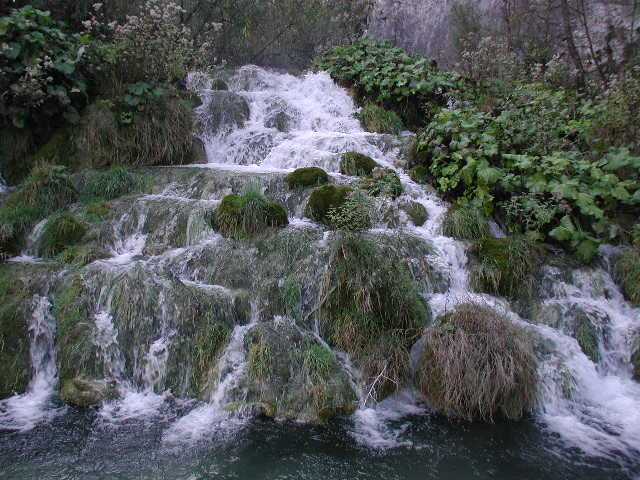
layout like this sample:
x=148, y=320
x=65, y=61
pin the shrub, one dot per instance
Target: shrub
x=307, y=177
x=323, y=199
x=376, y=119
x=382, y=182
x=372, y=309
x=247, y=215
x=356, y=164
x=60, y=231
x=465, y=222
x=627, y=272
x=478, y=365
x=110, y=184
x=354, y=215
x=506, y=266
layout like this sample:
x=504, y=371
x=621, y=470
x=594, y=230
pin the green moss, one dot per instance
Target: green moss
x=14, y=337
x=506, y=267
x=307, y=177
x=376, y=119
x=627, y=273
x=372, y=309
x=80, y=255
x=417, y=213
x=97, y=211
x=587, y=337
x=260, y=361
x=325, y=198
x=319, y=361
x=419, y=174
x=245, y=216
x=83, y=392
x=356, y=164
x=60, y=232
x=112, y=183
x=465, y=223
x=503, y=378
x=382, y=182
x=210, y=342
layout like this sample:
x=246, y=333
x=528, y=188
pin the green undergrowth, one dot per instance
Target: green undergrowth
x=324, y=199
x=627, y=272
x=247, y=215
x=379, y=120
x=307, y=177
x=110, y=184
x=465, y=222
x=419, y=174
x=61, y=231
x=372, y=309
x=382, y=182
x=356, y=164
x=355, y=214
x=477, y=365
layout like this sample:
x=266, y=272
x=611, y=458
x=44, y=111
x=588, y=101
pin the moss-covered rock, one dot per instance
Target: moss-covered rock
x=307, y=177
x=506, y=267
x=14, y=334
x=379, y=120
x=357, y=164
x=419, y=174
x=325, y=198
x=354, y=215
x=61, y=231
x=465, y=222
x=292, y=376
x=83, y=392
x=245, y=216
x=503, y=380
x=382, y=182
x=635, y=361
x=416, y=212
x=627, y=273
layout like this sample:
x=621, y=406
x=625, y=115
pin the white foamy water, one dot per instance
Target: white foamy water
x=24, y=412
x=601, y=417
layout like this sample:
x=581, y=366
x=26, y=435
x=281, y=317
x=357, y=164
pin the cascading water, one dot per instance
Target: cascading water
x=23, y=412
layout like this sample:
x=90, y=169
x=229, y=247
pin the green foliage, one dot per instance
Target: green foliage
x=627, y=271
x=260, y=360
x=323, y=199
x=46, y=71
x=112, y=183
x=477, y=365
x=382, y=182
x=319, y=362
x=379, y=120
x=389, y=76
x=465, y=222
x=419, y=174
x=307, y=177
x=354, y=215
x=356, y=164
x=247, y=215
x=61, y=230
x=373, y=310
x=506, y=267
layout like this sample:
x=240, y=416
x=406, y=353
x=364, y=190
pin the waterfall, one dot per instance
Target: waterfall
x=24, y=412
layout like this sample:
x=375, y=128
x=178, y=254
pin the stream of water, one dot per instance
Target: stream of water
x=149, y=432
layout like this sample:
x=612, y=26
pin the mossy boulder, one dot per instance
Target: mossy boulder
x=382, y=182
x=245, y=216
x=14, y=334
x=465, y=222
x=356, y=164
x=506, y=267
x=379, y=120
x=503, y=382
x=627, y=273
x=325, y=198
x=307, y=177
x=292, y=376
x=416, y=212
x=61, y=231
x=420, y=174
x=85, y=392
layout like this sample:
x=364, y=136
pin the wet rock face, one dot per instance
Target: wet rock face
x=84, y=392
x=224, y=111
x=292, y=376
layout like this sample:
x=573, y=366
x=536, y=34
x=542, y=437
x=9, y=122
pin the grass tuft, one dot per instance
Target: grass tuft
x=61, y=231
x=465, y=223
x=376, y=119
x=627, y=273
x=112, y=183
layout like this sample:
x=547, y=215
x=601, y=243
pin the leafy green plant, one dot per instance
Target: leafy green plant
x=627, y=271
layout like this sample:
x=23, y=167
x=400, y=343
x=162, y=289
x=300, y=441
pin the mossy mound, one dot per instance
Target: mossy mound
x=325, y=198
x=477, y=365
x=245, y=216
x=419, y=174
x=627, y=273
x=356, y=164
x=61, y=231
x=307, y=177
x=416, y=212
x=382, y=182
x=506, y=267
x=372, y=309
x=14, y=334
x=379, y=120
x=465, y=223
x=291, y=376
